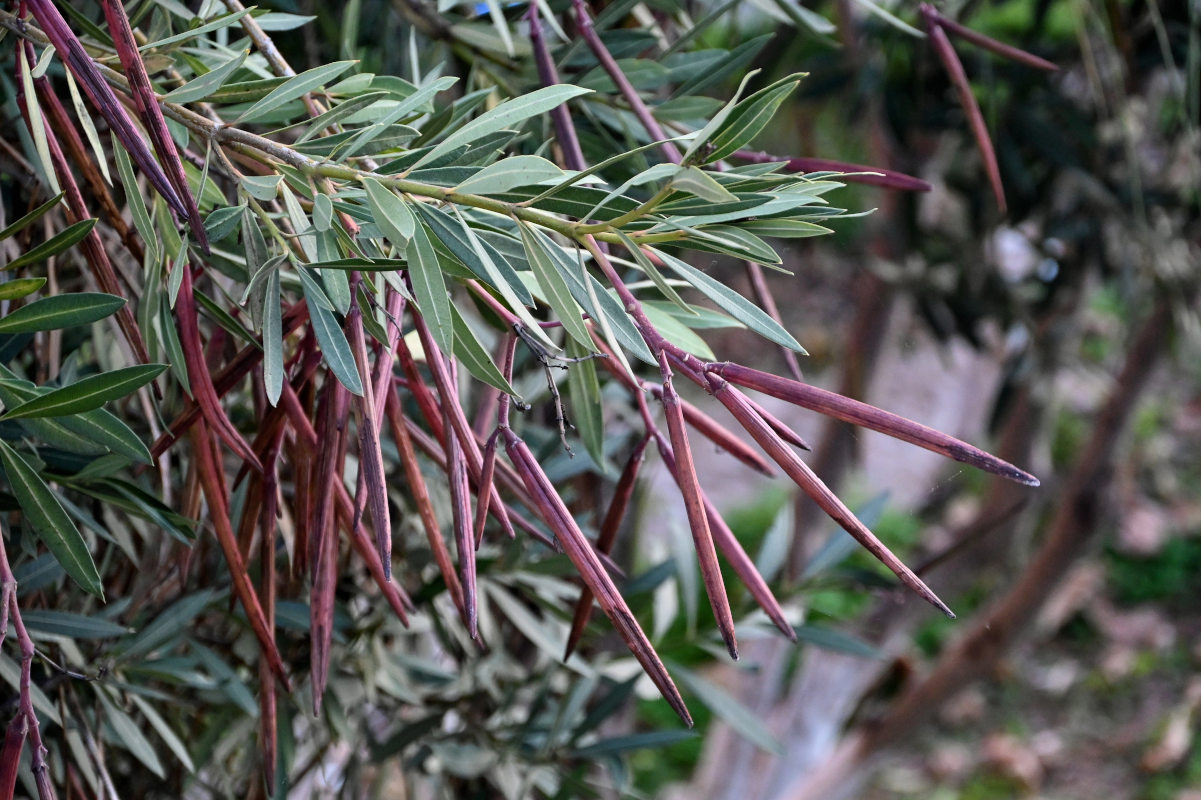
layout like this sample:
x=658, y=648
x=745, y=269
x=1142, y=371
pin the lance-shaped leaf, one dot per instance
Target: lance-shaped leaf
x=45, y=515
x=554, y=285
x=429, y=287
x=201, y=87
x=804, y=477
x=622, y=494
x=87, y=394
x=146, y=104
x=63, y=240
x=334, y=347
x=61, y=311
x=71, y=50
x=21, y=287
x=550, y=506
x=698, y=521
x=732, y=302
x=293, y=88
x=858, y=413
x=505, y=115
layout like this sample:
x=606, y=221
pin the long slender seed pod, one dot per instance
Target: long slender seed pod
x=213, y=484
x=734, y=553
x=421, y=498
x=928, y=12
x=721, y=436
x=584, y=557
x=71, y=50
x=858, y=413
x=77, y=210
x=307, y=436
x=324, y=535
x=698, y=521
x=148, y=109
x=457, y=418
x=799, y=472
x=199, y=377
x=487, y=476
x=783, y=431
x=622, y=495
x=371, y=458
x=460, y=507
x=228, y=377
x=975, y=117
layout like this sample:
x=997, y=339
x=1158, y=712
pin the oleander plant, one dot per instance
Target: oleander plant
x=327, y=384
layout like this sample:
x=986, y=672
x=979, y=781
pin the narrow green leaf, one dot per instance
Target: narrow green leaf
x=474, y=357
x=733, y=303
x=172, y=622
x=263, y=188
x=37, y=123
x=653, y=273
x=220, y=222
x=391, y=213
x=21, y=287
x=213, y=25
x=889, y=17
x=87, y=394
x=586, y=410
x=739, y=717
x=509, y=173
x=73, y=626
x=206, y=84
x=61, y=311
x=90, y=433
x=66, y=238
x=334, y=347
x=130, y=734
x=618, y=320
x=698, y=182
x=135, y=202
x=273, y=342
x=323, y=212
x=49, y=521
x=293, y=88
x=618, y=745
x=706, y=133
x=829, y=639
x=554, y=286
x=748, y=120
x=785, y=228
x=429, y=288
x=506, y=115
x=30, y=218
x=169, y=737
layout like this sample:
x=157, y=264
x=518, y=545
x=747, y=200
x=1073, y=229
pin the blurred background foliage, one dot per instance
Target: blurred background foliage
x=1020, y=324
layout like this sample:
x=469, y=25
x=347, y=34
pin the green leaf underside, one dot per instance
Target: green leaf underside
x=332, y=340
x=733, y=303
